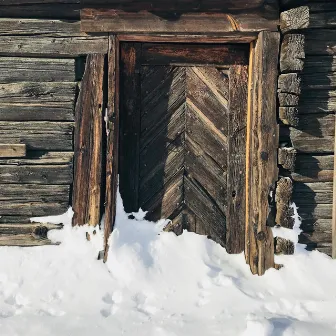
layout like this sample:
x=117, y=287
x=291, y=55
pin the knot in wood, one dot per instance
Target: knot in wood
x=264, y=156
x=261, y=236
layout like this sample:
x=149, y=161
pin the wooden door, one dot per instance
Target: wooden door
x=182, y=152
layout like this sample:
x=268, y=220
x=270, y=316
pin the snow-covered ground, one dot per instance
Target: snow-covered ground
x=157, y=284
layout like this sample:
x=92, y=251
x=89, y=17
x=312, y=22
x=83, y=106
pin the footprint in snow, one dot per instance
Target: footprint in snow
x=112, y=300
x=141, y=301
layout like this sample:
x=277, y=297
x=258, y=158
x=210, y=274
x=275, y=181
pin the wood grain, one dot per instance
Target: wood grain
x=12, y=151
x=88, y=144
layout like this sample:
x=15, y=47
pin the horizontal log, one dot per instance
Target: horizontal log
x=311, y=176
x=314, y=162
x=38, y=93
x=62, y=111
x=292, y=53
x=39, y=27
x=306, y=197
x=305, y=143
x=321, y=81
x=183, y=5
x=320, y=42
x=46, y=174
x=283, y=195
x=38, y=229
x=315, y=239
x=315, y=211
x=34, y=193
x=43, y=10
x=305, y=17
x=310, y=225
x=52, y=46
x=119, y=21
x=33, y=208
x=41, y=158
x=21, y=69
x=317, y=188
x=38, y=135
x=319, y=64
x=24, y=240
x=163, y=54
x=10, y=151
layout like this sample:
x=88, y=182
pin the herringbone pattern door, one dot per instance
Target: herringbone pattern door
x=184, y=132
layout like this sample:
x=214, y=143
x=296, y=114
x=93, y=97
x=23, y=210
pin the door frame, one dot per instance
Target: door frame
x=261, y=142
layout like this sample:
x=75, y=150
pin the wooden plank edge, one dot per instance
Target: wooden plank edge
x=13, y=150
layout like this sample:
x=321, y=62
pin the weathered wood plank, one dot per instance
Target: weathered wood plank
x=235, y=230
x=320, y=42
x=292, y=52
x=39, y=229
x=163, y=54
x=33, y=208
x=38, y=135
x=40, y=158
x=37, y=93
x=112, y=127
x=263, y=147
x=12, y=151
x=283, y=246
x=21, y=69
x=24, y=240
x=88, y=144
x=46, y=10
x=52, y=46
x=319, y=80
x=316, y=211
x=119, y=21
x=320, y=224
x=62, y=111
x=319, y=64
x=46, y=174
x=34, y=193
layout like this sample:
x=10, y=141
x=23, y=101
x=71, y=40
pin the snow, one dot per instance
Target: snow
x=158, y=284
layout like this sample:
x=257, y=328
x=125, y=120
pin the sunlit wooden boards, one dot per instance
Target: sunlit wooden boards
x=151, y=21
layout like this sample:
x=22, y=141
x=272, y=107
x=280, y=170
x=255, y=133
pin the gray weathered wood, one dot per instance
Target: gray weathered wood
x=39, y=229
x=12, y=151
x=22, y=69
x=287, y=158
x=311, y=224
x=61, y=111
x=119, y=21
x=38, y=135
x=319, y=64
x=292, y=52
x=46, y=174
x=34, y=193
x=25, y=240
x=38, y=93
x=320, y=42
x=316, y=211
x=40, y=158
x=33, y=208
x=289, y=83
x=289, y=116
x=52, y=46
x=283, y=246
x=283, y=195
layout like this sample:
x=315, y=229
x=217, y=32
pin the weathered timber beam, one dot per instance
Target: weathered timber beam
x=22, y=69
x=12, y=151
x=40, y=158
x=60, y=111
x=316, y=211
x=283, y=195
x=33, y=208
x=38, y=135
x=88, y=144
x=262, y=146
x=52, y=46
x=283, y=246
x=24, y=240
x=319, y=64
x=292, y=53
x=46, y=174
x=311, y=225
x=34, y=193
x=119, y=21
x=287, y=157
x=39, y=229
x=320, y=42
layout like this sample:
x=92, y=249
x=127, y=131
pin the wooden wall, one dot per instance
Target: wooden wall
x=307, y=99
x=41, y=65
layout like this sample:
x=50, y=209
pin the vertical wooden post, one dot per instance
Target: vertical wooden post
x=88, y=144
x=333, y=253
x=112, y=128
x=263, y=144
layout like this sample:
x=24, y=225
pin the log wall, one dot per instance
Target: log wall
x=307, y=99
x=42, y=60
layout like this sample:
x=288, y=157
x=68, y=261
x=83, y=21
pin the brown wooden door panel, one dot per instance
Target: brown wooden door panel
x=182, y=143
